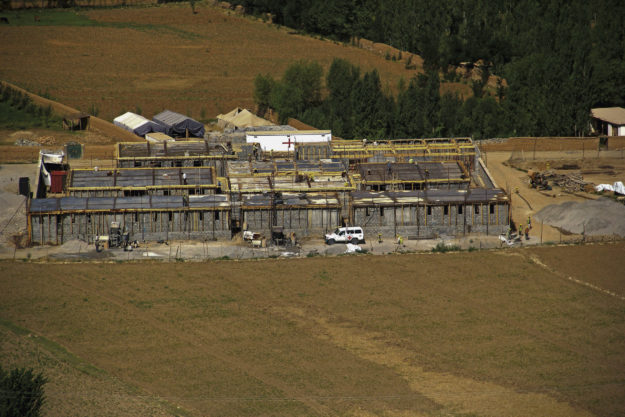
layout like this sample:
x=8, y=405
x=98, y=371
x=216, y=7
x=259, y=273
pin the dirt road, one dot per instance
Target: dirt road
x=528, y=201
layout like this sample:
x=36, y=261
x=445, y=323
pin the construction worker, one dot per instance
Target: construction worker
x=520, y=230
x=527, y=233
x=529, y=221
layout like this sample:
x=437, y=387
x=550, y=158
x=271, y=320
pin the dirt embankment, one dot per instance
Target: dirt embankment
x=116, y=134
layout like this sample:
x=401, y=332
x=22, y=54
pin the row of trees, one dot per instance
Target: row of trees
x=356, y=105
x=41, y=116
x=559, y=57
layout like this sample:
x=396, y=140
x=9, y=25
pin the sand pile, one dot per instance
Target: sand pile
x=75, y=246
x=595, y=217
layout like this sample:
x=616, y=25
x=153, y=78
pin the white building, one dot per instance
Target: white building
x=608, y=121
x=285, y=140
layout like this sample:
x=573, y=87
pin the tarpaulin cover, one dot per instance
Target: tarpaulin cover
x=177, y=124
x=617, y=187
x=137, y=124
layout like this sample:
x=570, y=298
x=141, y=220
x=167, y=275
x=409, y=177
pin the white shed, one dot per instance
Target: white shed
x=285, y=140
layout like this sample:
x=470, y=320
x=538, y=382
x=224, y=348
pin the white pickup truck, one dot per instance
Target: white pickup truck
x=353, y=235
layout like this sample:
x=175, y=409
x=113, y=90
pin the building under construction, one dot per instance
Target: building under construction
x=127, y=182
x=192, y=153
x=151, y=218
x=431, y=213
x=200, y=190
x=413, y=176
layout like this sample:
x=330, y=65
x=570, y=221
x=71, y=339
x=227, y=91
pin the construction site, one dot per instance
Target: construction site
x=202, y=190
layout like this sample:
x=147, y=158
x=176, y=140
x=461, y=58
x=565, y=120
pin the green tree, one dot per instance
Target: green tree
x=22, y=393
x=263, y=86
x=340, y=81
x=298, y=90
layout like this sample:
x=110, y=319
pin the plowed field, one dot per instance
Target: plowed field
x=527, y=332
x=151, y=58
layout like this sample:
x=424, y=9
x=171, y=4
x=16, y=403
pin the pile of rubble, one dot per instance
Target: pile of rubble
x=571, y=182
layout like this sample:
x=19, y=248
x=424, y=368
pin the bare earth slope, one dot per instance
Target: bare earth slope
x=153, y=58
x=505, y=333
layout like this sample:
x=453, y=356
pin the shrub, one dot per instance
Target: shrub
x=22, y=392
x=441, y=247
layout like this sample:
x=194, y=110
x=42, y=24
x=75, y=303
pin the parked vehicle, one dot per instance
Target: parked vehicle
x=352, y=234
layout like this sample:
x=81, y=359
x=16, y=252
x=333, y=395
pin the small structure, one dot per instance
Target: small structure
x=156, y=137
x=137, y=124
x=608, y=121
x=50, y=162
x=179, y=125
x=240, y=118
x=76, y=121
x=284, y=141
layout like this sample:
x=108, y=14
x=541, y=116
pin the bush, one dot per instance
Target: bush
x=442, y=248
x=22, y=392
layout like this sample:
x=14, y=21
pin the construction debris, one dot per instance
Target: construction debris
x=571, y=182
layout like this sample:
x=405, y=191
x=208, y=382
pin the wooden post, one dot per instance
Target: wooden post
x=541, y=233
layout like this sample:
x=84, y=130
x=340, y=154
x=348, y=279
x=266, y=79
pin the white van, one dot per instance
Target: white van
x=352, y=234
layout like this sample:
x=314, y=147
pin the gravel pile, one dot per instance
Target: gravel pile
x=602, y=217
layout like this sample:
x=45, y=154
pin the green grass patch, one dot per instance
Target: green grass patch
x=54, y=348
x=17, y=119
x=76, y=18
x=442, y=248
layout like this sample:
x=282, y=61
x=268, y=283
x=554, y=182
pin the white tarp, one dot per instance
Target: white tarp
x=49, y=158
x=130, y=121
x=52, y=158
x=284, y=141
x=617, y=187
x=351, y=248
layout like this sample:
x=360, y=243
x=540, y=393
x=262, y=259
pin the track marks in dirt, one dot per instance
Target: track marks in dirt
x=456, y=394
x=534, y=258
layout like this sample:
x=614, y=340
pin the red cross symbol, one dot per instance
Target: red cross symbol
x=288, y=142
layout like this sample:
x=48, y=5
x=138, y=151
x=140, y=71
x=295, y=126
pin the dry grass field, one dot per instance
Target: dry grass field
x=152, y=58
x=524, y=332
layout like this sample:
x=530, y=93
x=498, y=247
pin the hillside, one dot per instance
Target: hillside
x=147, y=59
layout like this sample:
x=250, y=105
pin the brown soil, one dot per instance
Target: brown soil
x=423, y=335
x=194, y=64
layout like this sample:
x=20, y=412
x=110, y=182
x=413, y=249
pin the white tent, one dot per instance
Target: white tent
x=137, y=124
x=240, y=118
